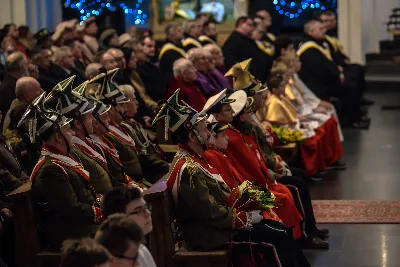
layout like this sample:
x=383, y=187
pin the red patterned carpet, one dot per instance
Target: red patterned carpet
x=357, y=211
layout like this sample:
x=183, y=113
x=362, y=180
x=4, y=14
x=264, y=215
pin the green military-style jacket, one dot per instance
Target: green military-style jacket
x=99, y=177
x=128, y=156
x=152, y=165
x=67, y=206
x=112, y=157
x=200, y=194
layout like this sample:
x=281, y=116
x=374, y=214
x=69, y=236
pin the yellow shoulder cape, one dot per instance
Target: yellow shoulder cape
x=204, y=38
x=169, y=46
x=278, y=111
x=191, y=41
x=311, y=44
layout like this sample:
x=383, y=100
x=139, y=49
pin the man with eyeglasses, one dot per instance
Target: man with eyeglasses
x=130, y=201
x=123, y=237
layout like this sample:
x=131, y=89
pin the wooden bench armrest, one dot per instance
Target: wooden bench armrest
x=169, y=148
x=22, y=191
x=288, y=146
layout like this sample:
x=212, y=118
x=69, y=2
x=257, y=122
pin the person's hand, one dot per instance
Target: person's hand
x=304, y=118
x=7, y=213
x=326, y=104
x=321, y=110
x=342, y=79
x=340, y=68
x=256, y=217
x=147, y=122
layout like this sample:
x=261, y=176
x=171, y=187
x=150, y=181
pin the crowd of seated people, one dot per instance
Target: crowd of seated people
x=78, y=109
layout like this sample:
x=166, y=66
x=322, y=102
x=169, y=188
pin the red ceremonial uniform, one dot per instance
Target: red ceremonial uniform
x=249, y=160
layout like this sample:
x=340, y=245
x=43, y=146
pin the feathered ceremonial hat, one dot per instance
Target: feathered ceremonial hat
x=243, y=78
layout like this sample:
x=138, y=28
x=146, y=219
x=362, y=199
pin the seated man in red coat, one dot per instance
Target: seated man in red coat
x=185, y=79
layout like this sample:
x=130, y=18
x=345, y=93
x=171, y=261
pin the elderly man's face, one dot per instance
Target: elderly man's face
x=200, y=62
x=34, y=92
x=318, y=31
x=68, y=60
x=189, y=73
x=45, y=58
x=149, y=47
x=218, y=57
x=210, y=62
x=119, y=58
x=108, y=61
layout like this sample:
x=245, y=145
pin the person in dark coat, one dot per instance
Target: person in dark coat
x=17, y=67
x=149, y=72
x=353, y=71
x=172, y=50
x=64, y=66
x=43, y=60
x=321, y=74
x=240, y=46
x=193, y=30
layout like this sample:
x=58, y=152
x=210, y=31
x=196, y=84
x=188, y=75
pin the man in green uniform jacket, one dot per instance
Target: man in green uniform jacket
x=200, y=195
x=67, y=206
x=71, y=105
x=154, y=167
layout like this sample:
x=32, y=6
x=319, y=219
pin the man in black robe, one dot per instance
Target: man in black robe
x=149, y=72
x=240, y=46
x=172, y=50
x=352, y=71
x=321, y=74
x=193, y=30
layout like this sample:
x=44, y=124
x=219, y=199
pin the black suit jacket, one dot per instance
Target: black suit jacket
x=7, y=94
x=238, y=48
x=153, y=80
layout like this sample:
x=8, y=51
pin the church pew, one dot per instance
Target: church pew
x=26, y=241
x=161, y=239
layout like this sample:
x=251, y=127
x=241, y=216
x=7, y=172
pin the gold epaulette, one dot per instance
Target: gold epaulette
x=205, y=38
x=265, y=50
x=169, y=46
x=271, y=36
x=311, y=44
x=190, y=41
x=332, y=42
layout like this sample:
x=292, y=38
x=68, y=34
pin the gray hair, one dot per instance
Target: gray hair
x=92, y=70
x=60, y=54
x=171, y=27
x=14, y=61
x=211, y=47
x=194, y=53
x=127, y=89
x=180, y=65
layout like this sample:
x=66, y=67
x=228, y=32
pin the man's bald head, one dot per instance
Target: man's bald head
x=119, y=57
x=27, y=89
x=92, y=70
x=108, y=61
x=17, y=64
